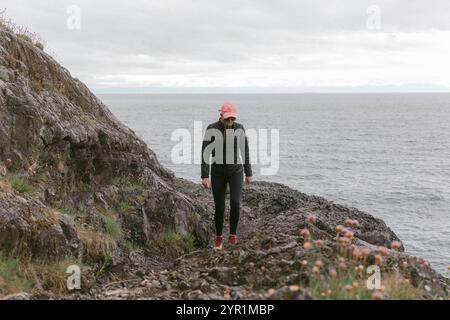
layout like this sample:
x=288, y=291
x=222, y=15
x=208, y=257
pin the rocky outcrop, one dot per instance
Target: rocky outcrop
x=75, y=182
x=27, y=225
x=56, y=134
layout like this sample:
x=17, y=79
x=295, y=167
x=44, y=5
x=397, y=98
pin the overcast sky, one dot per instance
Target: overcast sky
x=240, y=46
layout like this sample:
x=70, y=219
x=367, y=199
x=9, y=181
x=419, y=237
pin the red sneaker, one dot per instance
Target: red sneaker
x=232, y=239
x=218, y=243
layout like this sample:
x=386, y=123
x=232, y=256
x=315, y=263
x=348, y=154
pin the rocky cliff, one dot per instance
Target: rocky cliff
x=79, y=187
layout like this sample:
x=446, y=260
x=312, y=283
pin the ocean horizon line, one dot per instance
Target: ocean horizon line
x=267, y=93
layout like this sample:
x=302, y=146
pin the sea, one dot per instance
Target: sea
x=384, y=153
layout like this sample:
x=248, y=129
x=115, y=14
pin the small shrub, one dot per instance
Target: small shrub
x=36, y=86
x=97, y=246
x=347, y=286
x=104, y=266
x=24, y=37
x=20, y=31
x=68, y=211
x=24, y=275
x=398, y=288
x=2, y=17
x=10, y=279
x=132, y=246
x=83, y=187
x=123, y=207
x=48, y=275
x=7, y=267
x=60, y=166
x=122, y=181
x=113, y=227
x=21, y=185
x=174, y=243
x=195, y=217
x=39, y=45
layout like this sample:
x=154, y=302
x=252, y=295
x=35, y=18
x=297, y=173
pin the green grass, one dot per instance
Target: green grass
x=113, y=228
x=97, y=246
x=195, y=217
x=325, y=287
x=399, y=289
x=23, y=275
x=122, y=181
x=123, y=207
x=126, y=182
x=68, y=211
x=131, y=245
x=36, y=86
x=10, y=281
x=7, y=267
x=83, y=187
x=20, y=185
x=348, y=285
x=50, y=276
x=174, y=243
x=105, y=266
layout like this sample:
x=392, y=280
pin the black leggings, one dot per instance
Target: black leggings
x=219, y=188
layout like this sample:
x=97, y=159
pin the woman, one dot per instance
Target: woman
x=226, y=170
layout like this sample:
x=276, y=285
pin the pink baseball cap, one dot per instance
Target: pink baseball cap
x=228, y=110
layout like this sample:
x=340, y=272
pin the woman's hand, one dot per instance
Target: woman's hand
x=206, y=182
x=248, y=180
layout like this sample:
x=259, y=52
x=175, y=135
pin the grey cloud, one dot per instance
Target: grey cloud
x=206, y=36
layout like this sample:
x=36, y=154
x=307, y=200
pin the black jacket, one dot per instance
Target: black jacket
x=218, y=169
